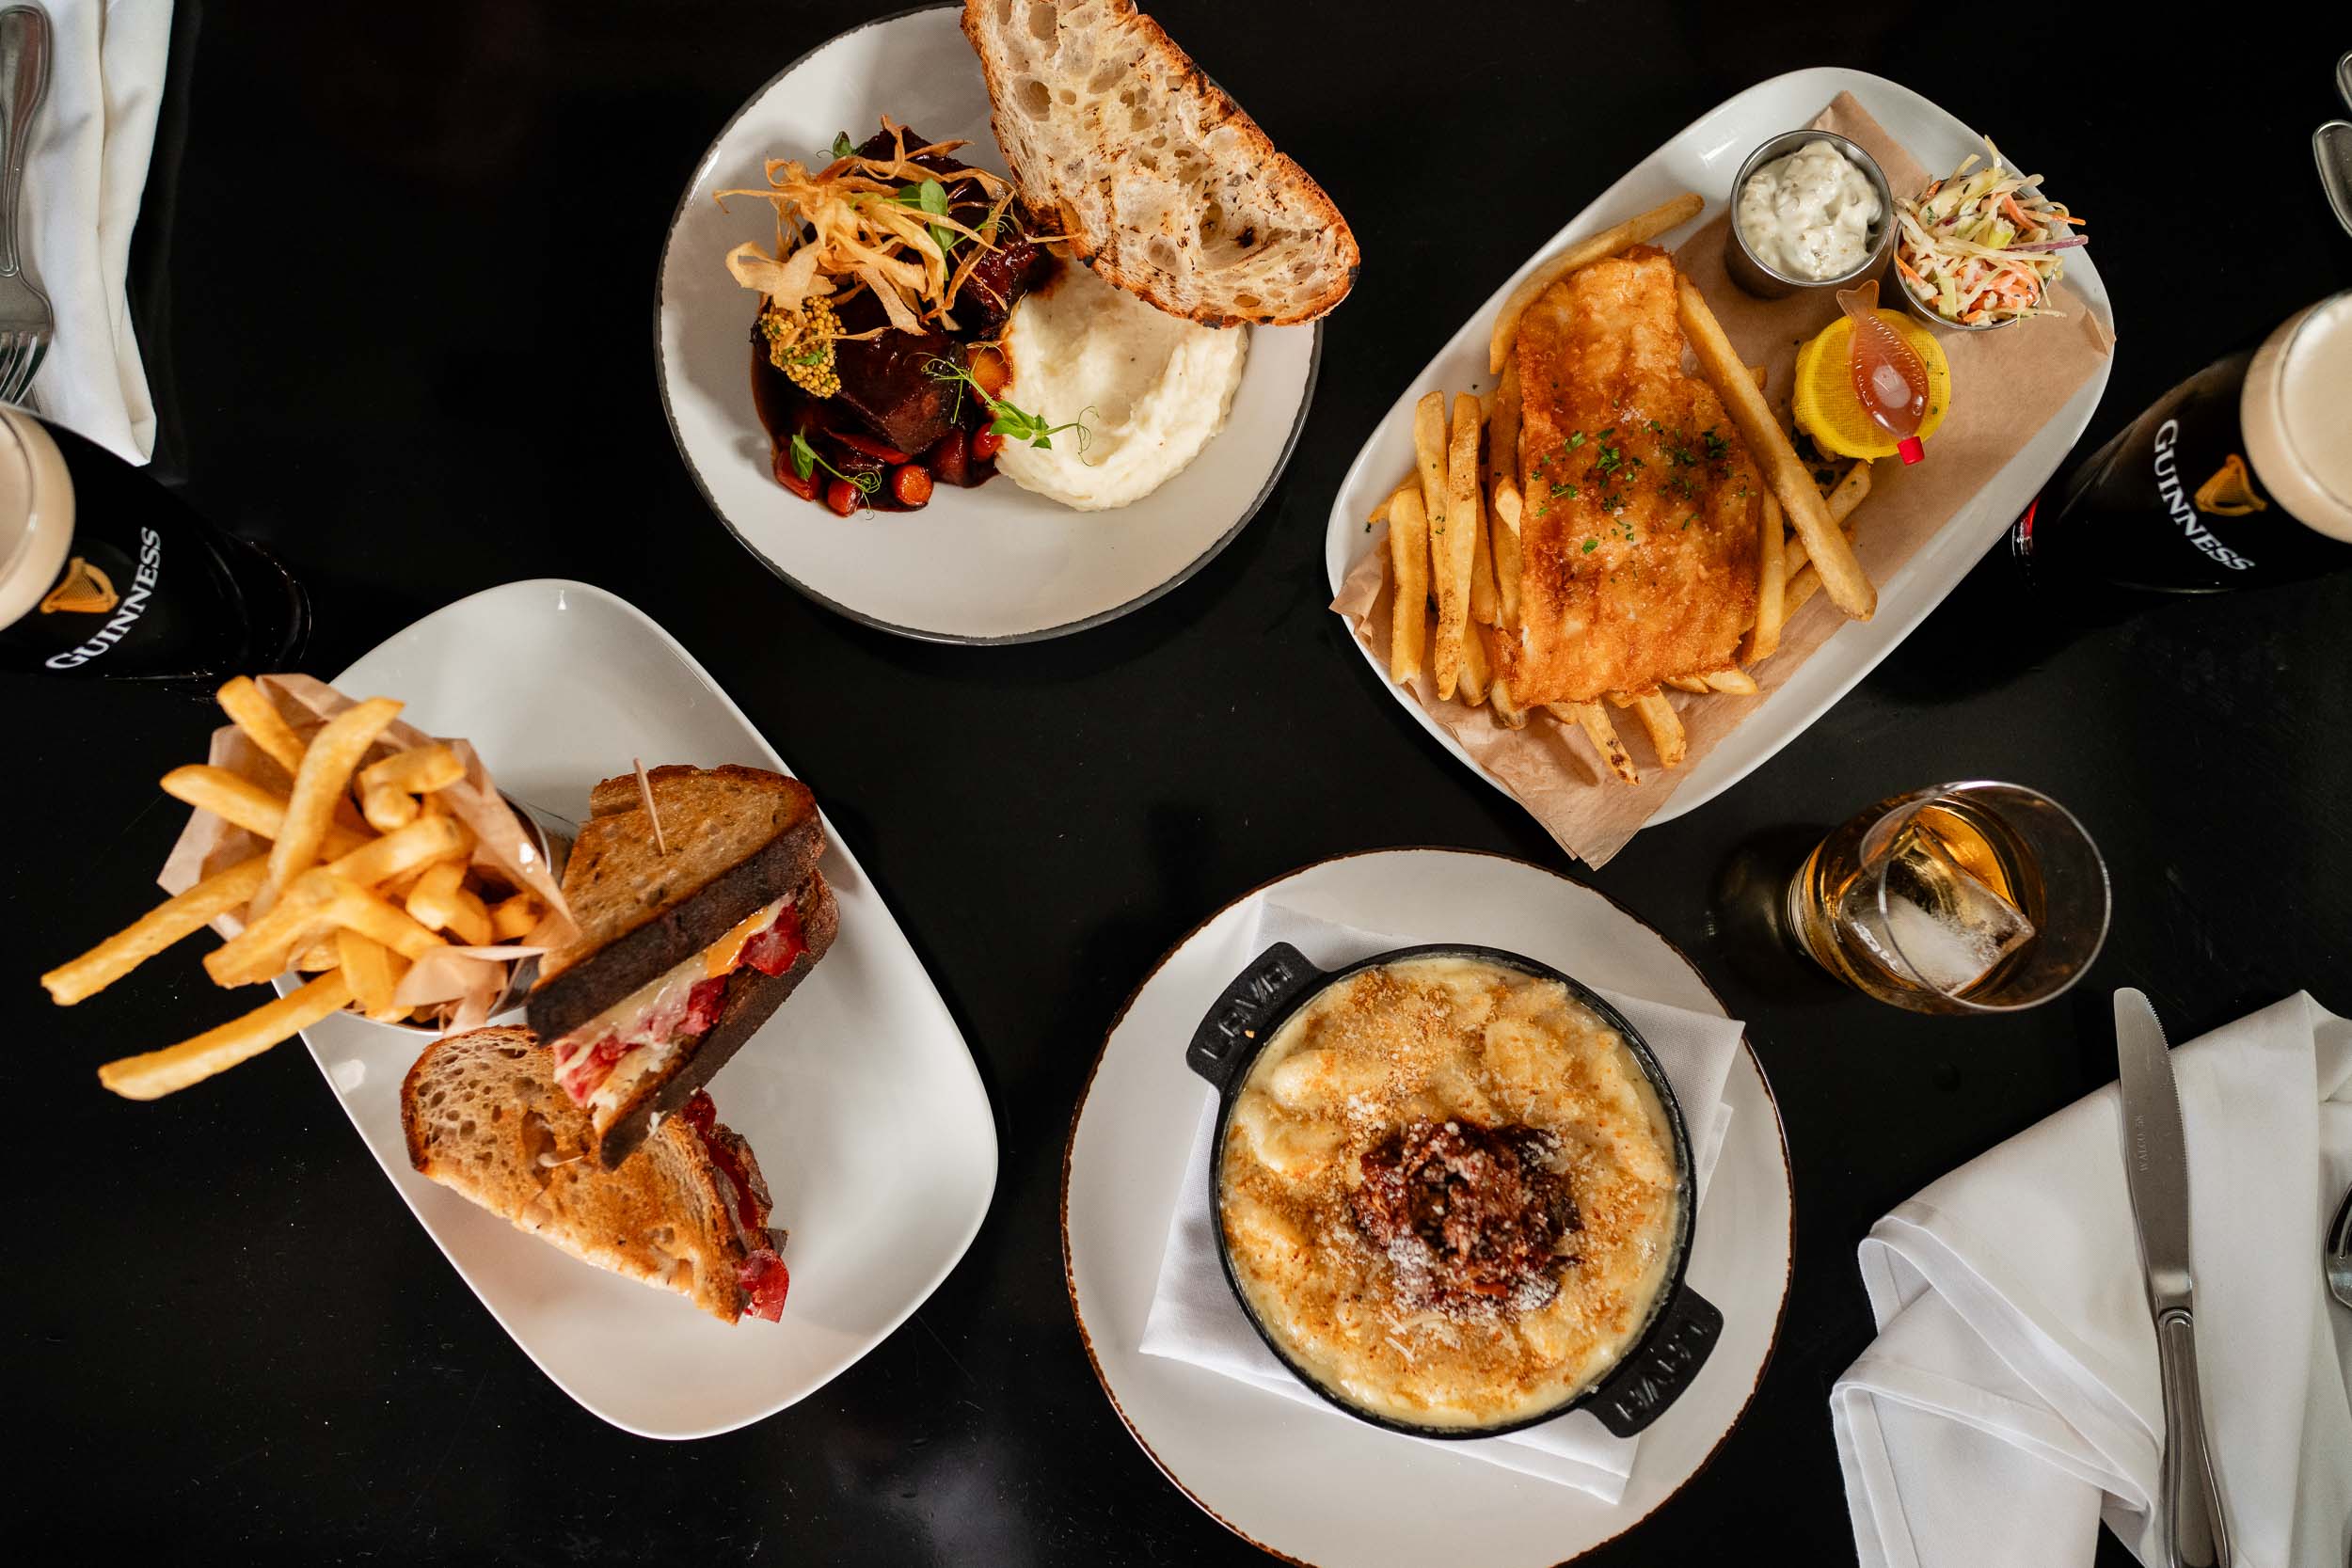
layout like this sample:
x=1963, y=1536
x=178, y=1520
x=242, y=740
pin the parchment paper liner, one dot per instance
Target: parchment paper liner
x=2006, y=386
x=466, y=981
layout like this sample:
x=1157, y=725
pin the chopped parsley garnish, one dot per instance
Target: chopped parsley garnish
x=1591, y=545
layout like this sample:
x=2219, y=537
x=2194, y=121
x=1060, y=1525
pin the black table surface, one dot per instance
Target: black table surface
x=393, y=278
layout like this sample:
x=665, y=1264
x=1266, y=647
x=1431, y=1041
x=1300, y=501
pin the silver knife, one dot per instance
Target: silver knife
x=2155, y=1165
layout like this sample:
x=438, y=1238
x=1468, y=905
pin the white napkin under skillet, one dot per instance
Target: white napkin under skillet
x=1195, y=1318
x=2011, y=1402
x=84, y=178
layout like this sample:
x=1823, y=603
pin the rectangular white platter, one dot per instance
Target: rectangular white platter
x=859, y=1096
x=1704, y=158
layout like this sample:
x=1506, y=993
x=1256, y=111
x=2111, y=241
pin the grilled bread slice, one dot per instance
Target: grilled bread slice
x=1164, y=185
x=738, y=838
x=483, y=1118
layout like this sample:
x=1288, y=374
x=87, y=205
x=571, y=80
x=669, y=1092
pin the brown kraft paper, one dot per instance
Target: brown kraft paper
x=2006, y=386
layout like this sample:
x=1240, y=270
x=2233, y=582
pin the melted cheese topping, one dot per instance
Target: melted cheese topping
x=633, y=1020
x=1445, y=1037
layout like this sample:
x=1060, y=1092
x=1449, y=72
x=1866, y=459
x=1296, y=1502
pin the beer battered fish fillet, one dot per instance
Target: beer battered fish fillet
x=1639, y=537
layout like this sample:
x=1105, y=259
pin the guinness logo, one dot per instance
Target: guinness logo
x=84, y=589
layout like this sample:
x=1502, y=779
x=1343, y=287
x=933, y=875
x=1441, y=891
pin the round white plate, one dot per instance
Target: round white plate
x=1305, y=1483
x=994, y=564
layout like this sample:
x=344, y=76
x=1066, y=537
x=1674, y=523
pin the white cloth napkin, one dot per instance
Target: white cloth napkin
x=1195, y=1318
x=83, y=180
x=2010, y=1400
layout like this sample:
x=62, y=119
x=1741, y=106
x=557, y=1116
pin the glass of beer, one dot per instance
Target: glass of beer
x=104, y=574
x=2238, y=477
x=1978, y=897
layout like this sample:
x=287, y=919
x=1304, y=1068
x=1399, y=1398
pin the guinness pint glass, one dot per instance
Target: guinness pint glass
x=104, y=572
x=2240, y=475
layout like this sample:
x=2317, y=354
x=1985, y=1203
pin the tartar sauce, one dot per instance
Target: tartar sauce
x=1809, y=214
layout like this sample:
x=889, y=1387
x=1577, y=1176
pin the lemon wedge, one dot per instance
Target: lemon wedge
x=1824, y=401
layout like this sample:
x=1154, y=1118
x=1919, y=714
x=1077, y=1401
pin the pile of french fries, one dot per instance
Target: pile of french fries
x=1453, y=526
x=366, y=872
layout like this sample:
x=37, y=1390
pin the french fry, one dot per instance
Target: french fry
x=1465, y=503
x=1594, y=719
x=1734, y=681
x=241, y=803
x=270, y=940
x=158, y=928
x=1503, y=475
x=1429, y=454
x=1772, y=584
x=1851, y=491
x=1634, y=231
x=160, y=1072
x=355, y=909
x=374, y=971
x=387, y=810
x=1848, y=588
x=1453, y=544
x=1476, y=673
x=1688, y=683
x=432, y=902
x=1665, y=728
x=1409, y=565
x=1506, y=708
x=513, y=917
x=319, y=956
x=1803, y=587
x=249, y=708
x=418, y=770
x=1450, y=550
x=421, y=843
x=319, y=784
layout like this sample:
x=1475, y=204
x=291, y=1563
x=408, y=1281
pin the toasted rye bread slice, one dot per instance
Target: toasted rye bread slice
x=738, y=837
x=752, y=998
x=1164, y=185
x=483, y=1118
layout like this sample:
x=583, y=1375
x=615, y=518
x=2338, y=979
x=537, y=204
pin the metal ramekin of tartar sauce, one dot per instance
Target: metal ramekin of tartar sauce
x=1804, y=213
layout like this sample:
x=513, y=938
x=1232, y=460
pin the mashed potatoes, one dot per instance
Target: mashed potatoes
x=1149, y=388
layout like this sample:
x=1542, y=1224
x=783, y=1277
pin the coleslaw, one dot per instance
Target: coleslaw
x=1978, y=249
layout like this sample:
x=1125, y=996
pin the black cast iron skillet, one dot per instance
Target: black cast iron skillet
x=1663, y=1358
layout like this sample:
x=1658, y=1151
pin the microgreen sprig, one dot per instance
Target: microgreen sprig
x=805, y=462
x=1014, y=424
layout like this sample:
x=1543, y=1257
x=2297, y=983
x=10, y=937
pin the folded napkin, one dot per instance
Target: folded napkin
x=84, y=176
x=1195, y=1318
x=2011, y=1402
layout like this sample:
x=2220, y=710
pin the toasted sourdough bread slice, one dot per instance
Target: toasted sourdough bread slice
x=484, y=1119
x=1164, y=185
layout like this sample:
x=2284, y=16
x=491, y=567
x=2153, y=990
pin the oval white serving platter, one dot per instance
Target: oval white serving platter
x=859, y=1096
x=1704, y=158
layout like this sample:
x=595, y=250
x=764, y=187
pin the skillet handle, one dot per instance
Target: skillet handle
x=1633, y=1396
x=1229, y=1035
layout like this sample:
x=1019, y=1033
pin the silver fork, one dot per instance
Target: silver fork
x=26, y=321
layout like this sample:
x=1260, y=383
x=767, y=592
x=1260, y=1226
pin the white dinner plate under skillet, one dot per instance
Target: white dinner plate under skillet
x=1309, y=1483
x=1705, y=158
x=992, y=564
x=858, y=1097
